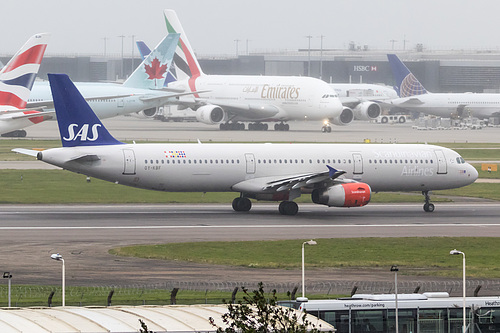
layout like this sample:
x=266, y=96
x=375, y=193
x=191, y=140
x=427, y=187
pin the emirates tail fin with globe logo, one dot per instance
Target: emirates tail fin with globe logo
x=407, y=84
x=152, y=72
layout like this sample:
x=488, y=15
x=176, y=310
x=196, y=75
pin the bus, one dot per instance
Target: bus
x=431, y=312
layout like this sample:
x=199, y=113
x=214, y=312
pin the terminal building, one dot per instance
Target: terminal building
x=439, y=71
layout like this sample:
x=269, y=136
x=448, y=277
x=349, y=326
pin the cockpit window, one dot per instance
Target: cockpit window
x=460, y=160
x=329, y=96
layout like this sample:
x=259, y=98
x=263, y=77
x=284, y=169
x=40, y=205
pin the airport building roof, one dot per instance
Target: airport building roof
x=123, y=319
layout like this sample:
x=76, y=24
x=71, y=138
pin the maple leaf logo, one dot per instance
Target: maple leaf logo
x=156, y=70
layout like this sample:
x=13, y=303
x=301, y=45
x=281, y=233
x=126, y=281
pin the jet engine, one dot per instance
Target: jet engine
x=148, y=113
x=345, y=117
x=343, y=195
x=367, y=111
x=210, y=114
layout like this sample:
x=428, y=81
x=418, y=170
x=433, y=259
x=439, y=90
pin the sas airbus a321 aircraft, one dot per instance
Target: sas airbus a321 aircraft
x=340, y=175
x=233, y=99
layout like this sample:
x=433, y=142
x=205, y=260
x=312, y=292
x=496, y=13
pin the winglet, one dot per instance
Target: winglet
x=78, y=124
x=406, y=83
x=331, y=171
x=152, y=72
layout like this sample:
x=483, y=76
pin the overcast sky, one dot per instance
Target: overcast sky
x=213, y=25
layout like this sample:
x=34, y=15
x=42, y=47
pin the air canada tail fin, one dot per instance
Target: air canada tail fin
x=185, y=61
x=145, y=51
x=152, y=72
x=18, y=76
x=406, y=83
x=78, y=124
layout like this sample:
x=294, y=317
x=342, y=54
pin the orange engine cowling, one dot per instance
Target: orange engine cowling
x=343, y=195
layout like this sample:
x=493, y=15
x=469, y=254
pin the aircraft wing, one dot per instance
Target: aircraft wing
x=350, y=102
x=45, y=114
x=49, y=104
x=248, y=111
x=291, y=182
x=170, y=96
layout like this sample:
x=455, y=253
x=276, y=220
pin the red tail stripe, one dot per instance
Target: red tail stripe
x=195, y=71
x=34, y=120
x=7, y=98
x=33, y=55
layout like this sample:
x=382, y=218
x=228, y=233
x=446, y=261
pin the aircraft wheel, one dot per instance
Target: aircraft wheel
x=242, y=204
x=286, y=127
x=429, y=208
x=402, y=120
x=241, y=126
x=328, y=129
x=384, y=120
x=288, y=208
x=265, y=127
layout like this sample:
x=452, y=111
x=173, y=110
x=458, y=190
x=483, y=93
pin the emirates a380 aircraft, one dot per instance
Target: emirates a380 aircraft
x=340, y=175
x=230, y=100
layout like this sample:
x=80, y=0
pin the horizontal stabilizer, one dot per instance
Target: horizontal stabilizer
x=24, y=151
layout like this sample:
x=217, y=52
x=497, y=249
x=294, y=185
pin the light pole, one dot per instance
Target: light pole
x=395, y=269
x=58, y=257
x=309, y=56
x=303, y=298
x=7, y=275
x=456, y=252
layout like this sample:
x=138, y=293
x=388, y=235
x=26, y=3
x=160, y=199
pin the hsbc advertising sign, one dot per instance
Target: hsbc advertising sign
x=363, y=68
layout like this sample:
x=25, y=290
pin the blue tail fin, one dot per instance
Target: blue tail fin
x=406, y=83
x=78, y=124
x=145, y=51
x=151, y=73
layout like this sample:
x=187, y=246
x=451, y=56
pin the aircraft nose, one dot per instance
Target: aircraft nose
x=472, y=173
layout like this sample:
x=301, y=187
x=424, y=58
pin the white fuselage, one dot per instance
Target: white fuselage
x=219, y=167
x=105, y=107
x=452, y=104
x=364, y=91
x=296, y=98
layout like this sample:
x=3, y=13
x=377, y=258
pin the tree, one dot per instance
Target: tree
x=144, y=327
x=258, y=315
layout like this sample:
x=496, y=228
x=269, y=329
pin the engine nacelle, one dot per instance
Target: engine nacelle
x=367, y=111
x=345, y=117
x=343, y=195
x=148, y=113
x=210, y=114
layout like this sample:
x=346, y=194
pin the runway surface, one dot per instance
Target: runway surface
x=85, y=233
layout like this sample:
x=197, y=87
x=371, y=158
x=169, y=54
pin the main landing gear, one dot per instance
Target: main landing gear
x=428, y=206
x=281, y=127
x=242, y=204
x=232, y=126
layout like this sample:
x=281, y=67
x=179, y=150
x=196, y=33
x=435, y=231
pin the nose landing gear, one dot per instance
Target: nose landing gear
x=428, y=206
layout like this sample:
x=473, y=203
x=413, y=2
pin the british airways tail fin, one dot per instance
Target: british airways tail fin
x=145, y=51
x=187, y=66
x=151, y=73
x=78, y=124
x=406, y=83
x=18, y=76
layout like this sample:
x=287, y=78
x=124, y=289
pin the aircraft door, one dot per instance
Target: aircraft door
x=120, y=102
x=129, y=162
x=441, y=161
x=250, y=161
x=358, y=163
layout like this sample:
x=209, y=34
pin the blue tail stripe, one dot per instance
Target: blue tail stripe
x=143, y=49
x=78, y=124
x=25, y=80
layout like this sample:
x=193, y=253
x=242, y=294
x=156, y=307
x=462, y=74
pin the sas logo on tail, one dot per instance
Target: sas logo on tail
x=83, y=133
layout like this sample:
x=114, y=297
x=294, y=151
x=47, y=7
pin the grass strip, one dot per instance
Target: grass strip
x=414, y=255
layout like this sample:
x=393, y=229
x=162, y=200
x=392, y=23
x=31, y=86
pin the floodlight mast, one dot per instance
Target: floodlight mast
x=58, y=257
